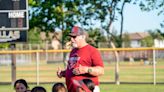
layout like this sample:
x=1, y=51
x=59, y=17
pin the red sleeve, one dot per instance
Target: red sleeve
x=96, y=59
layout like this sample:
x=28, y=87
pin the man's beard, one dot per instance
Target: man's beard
x=74, y=45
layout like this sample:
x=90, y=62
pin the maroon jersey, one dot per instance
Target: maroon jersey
x=85, y=56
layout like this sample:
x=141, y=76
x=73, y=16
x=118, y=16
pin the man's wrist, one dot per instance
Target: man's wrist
x=89, y=70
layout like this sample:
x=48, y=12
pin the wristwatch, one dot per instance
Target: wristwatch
x=89, y=70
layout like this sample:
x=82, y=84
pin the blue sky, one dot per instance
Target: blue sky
x=137, y=21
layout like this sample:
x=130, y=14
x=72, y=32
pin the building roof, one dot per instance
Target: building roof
x=138, y=35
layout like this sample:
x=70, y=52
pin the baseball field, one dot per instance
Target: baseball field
x=134, y=76
x=104, y=88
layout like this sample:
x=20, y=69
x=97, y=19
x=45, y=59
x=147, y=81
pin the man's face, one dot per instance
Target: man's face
x=76, y=41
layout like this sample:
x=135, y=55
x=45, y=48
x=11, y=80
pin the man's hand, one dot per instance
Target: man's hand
x=80, y=70
x=59, y=72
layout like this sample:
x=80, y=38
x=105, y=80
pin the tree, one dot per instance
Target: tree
x=4, y=45
x=122, y=21
x=147, y=41
x=126, y=40
x=34, y=35
x=50, y=15
x=150, y=5
x=156, y=34
x=95, y=36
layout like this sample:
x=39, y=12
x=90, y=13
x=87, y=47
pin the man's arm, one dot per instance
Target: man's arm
x=94, y=71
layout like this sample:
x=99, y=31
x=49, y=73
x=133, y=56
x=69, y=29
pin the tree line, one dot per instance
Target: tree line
x=62, y=15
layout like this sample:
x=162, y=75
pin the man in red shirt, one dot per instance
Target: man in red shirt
x=84, y=61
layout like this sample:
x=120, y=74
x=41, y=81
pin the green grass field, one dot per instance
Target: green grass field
x=129, y=72
x=104, y=88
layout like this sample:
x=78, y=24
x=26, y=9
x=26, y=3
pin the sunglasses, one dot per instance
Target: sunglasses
x=73, y=37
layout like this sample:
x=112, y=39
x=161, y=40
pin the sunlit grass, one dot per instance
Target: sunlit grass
x=103, y=87
x=129, y=72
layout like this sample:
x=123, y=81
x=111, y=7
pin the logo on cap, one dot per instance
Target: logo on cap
x=76, y=31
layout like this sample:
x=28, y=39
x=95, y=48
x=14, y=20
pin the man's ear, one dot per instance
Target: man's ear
x=83, y=36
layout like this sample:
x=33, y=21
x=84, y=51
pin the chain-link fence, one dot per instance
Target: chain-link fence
x=39, y=65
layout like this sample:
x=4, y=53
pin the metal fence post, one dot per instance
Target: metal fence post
x=154, y=67
x=30, y=56
x=37, y=67
x=13, y=65
x=46, y=59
